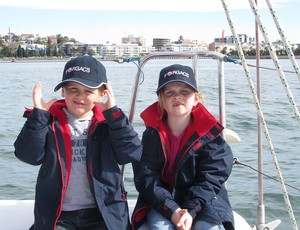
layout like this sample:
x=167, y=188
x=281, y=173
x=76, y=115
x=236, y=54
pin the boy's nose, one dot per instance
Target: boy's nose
x=79, y=94
x=177, y=95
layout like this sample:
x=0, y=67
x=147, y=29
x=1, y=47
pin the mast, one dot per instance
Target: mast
x=260, y=206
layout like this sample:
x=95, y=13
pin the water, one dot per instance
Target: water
x=17, y=81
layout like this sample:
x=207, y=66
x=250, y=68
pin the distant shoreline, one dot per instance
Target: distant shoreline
x=269, y=57
x=3, y=60
x=52, y=59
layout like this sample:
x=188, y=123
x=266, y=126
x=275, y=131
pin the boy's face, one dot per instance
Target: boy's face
x=178, y=99
x=80, y=99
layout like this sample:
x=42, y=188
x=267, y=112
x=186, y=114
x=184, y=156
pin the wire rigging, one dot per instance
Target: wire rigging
x=237, y=162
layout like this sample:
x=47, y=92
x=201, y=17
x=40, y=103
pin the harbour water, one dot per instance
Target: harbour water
x=18, y=78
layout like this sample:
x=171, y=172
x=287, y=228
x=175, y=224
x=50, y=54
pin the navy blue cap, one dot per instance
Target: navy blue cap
x=177, y=73
x=84, y=70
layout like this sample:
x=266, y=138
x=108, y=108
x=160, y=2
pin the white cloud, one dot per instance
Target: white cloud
x=134, y=5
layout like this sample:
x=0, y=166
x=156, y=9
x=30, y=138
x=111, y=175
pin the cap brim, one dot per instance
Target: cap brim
x=175, y=80
x=85, y=83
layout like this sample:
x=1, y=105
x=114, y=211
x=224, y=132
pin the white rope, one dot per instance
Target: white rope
x=261, y=116
x=276, y=61
x=287, y=46
x=295, y=109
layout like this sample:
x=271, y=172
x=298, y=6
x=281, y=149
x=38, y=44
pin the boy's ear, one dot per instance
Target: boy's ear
x=100, y=96
x=101, y=93
x=62, y=92
x=197, y=99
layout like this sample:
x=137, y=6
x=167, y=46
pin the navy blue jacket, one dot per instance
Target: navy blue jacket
x=202, y=165
x=45, y=140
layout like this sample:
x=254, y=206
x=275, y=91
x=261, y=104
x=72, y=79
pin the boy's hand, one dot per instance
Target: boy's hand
x=110, y=102
x=182, y=219
x=185, y=221
x=37, y=97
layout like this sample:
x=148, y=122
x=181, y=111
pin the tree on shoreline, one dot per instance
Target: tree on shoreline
x=18, y=51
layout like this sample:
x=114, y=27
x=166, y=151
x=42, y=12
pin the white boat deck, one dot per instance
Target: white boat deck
x=18, y=215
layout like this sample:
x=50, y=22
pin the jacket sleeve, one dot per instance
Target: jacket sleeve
x=213, y=166
x=126, y=142
x=29, y=145
x=147, y=176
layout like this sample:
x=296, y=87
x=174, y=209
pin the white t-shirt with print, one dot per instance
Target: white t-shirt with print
x=78, y=195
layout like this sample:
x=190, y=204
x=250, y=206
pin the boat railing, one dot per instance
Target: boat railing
x=194, y=56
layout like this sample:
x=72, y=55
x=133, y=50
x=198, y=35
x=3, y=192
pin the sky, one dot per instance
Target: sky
x=102, y=21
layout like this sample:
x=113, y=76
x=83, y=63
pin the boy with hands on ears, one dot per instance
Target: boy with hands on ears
x=79, y=142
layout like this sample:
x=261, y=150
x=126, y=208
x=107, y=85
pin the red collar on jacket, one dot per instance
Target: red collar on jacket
x=56, y=109
x=203, y=120
x=203, y=123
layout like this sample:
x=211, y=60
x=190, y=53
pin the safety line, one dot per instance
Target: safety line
x=238, y=162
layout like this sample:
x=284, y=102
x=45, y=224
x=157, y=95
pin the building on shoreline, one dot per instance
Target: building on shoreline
x=130, y=46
